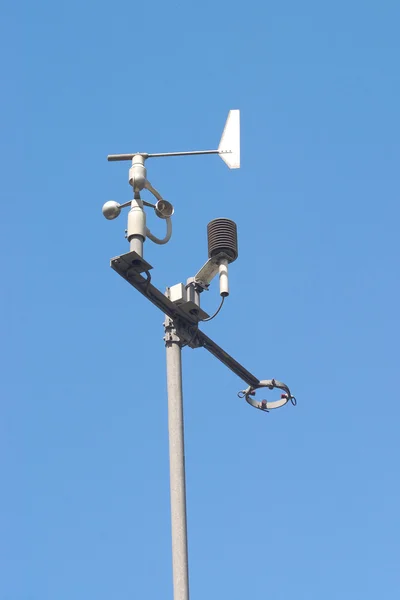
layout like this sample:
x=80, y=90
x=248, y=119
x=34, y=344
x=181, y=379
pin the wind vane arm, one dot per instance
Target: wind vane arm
x=190, y=153
x=228, y=149
x=115, y=157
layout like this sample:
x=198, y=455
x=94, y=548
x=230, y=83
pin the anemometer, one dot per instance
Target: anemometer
x=137, y=231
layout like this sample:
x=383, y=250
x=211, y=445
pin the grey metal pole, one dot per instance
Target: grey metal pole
x=177, y=463
x=136, y=244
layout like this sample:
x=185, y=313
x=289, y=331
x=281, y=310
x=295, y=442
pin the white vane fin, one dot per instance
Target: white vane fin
x=229, y=146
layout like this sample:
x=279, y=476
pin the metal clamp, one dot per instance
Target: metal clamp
x=267, y=405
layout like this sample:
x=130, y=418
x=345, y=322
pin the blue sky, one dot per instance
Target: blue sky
x=298, y=503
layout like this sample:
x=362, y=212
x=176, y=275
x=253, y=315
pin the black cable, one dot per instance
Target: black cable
x=196, y=326
x=215, y=314
x=147, y=281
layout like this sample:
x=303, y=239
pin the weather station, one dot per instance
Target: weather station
x=184, y=315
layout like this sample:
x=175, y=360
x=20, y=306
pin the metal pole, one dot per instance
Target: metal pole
x=177, y=462
x=136, y=244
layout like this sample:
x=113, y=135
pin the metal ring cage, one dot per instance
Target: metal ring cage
x=267, y=405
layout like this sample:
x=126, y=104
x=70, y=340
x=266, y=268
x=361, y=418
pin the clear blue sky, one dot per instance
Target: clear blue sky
x=299, y=503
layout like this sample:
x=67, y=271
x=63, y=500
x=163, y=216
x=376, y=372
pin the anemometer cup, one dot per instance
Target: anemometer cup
x=267, y=405
x=164, y=209
x=111, y=210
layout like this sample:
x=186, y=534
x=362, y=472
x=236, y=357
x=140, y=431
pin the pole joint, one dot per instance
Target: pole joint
x=171, y=336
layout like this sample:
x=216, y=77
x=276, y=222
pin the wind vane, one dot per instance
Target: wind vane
x=228, y=149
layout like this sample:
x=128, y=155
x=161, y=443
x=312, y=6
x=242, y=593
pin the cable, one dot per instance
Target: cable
x=165, y=239
x=147, y=281
x=215, y=314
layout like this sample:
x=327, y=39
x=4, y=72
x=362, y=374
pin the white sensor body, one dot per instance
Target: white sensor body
x=223, y=278
x=137, y=173
x=136, y=230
